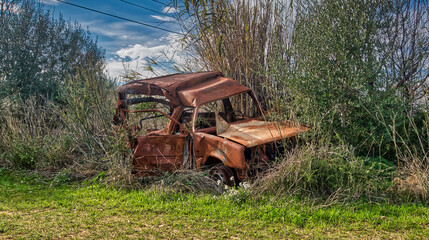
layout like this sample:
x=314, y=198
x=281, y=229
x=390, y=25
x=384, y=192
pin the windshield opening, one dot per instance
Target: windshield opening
x=143, y=123
x=239, y=107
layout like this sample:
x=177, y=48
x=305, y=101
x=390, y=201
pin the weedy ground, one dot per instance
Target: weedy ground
x=33, y=208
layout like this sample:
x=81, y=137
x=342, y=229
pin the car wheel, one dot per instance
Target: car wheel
x=223, y=174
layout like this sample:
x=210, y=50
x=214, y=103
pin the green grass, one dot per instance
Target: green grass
x=33, y=208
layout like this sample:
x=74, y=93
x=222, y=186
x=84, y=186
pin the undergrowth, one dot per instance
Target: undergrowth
x=74, y=139
x=335, y=175
x=327, y=172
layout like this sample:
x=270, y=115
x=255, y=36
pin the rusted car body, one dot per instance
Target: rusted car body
x=202, y=128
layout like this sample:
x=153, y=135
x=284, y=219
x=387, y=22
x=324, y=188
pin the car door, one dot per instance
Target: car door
x=162, y=150
x=155, y=154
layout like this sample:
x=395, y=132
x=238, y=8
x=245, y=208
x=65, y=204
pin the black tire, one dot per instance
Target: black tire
x=224, y=174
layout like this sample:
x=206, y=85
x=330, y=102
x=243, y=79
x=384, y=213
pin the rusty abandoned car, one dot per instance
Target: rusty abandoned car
x=198, y=121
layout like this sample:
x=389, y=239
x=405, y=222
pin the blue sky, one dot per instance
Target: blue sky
x=126, y=42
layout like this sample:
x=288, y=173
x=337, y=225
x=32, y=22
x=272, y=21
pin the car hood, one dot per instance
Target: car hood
x=256, y=132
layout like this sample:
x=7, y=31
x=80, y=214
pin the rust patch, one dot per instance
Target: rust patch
x=255, y=132
x=158, y=153
x=230, y=153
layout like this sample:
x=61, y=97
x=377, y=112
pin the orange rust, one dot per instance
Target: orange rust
x=256, y=132
x=230, y=153
x=161, y=153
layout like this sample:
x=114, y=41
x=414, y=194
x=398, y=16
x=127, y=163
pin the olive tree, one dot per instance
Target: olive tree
x=39, y=53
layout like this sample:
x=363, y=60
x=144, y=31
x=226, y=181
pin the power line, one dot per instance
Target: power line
x=140, y=6
x=115, y=16
x=159, y=2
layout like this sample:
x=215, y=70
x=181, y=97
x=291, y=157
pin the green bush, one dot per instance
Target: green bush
x=39, y=52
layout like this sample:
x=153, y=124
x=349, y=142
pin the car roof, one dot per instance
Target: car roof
x=188, y=89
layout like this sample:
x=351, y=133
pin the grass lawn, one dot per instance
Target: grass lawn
x=31, y=209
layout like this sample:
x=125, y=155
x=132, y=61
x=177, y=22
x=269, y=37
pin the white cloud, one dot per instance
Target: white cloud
x=49, y=2
x=117, y=69
x=135, y=57
x=165, y=50
x=129, y=49
x=140, y=52
x=117, y=35
x=163, y=18
x=168, y=9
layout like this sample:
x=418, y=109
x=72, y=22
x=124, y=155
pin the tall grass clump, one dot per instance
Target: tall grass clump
x=32, y=136
x=75, y=137
x=327, y=172
x=239, y=38
x=87, y=118
x=412, y=151
x=412, y=182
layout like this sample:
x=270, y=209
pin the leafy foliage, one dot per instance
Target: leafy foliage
x=38, y=53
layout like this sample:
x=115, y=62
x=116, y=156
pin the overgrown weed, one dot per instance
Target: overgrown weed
x=75, y=138
x=411, y=144
x=185, y=181
x=32, y=136
x=327, y=172
x=412, y=182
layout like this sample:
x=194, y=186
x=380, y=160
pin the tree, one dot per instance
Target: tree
x=408, y=62
x=336, y=51
x=38, y=53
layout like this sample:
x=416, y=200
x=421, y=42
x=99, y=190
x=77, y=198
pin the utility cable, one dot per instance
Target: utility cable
x=159, y=2
x=140, y=6
x=119, y=17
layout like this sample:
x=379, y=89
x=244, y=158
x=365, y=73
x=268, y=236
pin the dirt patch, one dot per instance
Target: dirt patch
x=7, y=213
